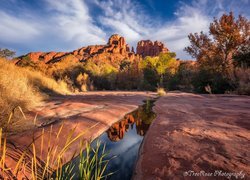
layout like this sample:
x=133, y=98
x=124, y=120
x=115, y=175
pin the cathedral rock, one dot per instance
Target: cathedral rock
x=149, y=48
x=115, y=50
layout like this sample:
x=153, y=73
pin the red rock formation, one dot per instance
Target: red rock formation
x=35, y=55
x=115, y=50
x=149, y=48
x=40, y=57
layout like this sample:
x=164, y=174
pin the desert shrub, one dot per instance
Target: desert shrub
x=68, y=70
x=161, y=91
x=103, y=74
x=83, y=82
x=23, y=87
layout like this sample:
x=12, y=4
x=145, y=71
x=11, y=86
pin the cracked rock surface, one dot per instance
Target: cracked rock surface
x=209, y=133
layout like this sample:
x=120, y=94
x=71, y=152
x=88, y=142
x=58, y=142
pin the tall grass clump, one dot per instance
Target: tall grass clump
x=47, y=160
x=22, y=87
x=94, y=162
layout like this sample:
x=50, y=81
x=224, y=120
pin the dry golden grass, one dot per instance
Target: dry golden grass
x=21, y=87
x=161, y=92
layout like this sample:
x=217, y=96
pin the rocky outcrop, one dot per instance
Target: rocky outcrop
x=38, y=57
x=115, y=50
x=149, y=48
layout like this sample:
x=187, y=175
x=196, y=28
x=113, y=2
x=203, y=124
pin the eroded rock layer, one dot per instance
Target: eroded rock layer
x=115, y=50
x=149, y=48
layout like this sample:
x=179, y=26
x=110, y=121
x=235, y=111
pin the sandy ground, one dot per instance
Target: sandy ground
x=197, y=137
x=92, y=113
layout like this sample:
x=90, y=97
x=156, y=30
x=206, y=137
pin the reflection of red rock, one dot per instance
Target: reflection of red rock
x=149, y=48
x=141, y=128
x=117, y=131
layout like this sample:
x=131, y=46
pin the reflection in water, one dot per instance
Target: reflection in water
x=123, y=141
x=141, y=119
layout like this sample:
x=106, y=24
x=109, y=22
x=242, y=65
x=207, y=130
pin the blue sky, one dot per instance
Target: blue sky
x=65, y=25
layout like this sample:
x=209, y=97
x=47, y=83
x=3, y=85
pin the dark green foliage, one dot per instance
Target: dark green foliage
x=6, y=53
x=27, y=62
x=125, y=64
x=242, y=58
x=151, y=79
x=102, y=83
x=183, y=79
x=218, y=83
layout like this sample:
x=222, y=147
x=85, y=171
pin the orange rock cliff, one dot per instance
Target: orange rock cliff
x=149, y=48
x=115, y=50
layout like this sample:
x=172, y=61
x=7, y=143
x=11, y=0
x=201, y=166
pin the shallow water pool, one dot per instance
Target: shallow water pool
x=123, y=140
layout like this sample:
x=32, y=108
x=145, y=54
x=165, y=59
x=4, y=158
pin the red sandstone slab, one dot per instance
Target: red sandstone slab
x=197, y=133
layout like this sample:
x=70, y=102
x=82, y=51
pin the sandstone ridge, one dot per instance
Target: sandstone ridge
x=149, y=48
x=115, y=50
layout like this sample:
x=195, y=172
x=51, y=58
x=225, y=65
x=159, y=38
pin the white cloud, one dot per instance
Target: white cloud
x=175, y=34
x=66, y=25
x=123, y=17
x=128, y=19
x=14, y=29
x=73, y=21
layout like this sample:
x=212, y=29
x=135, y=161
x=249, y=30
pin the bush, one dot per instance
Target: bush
x=243, y=81
x=83, y=81
x=103, y=74
x=183, y=79
x=161, y=92
x=217, y=82
x=129, y=76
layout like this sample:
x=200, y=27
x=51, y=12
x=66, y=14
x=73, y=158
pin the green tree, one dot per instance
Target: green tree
x=160, y=65
x=6, y=53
